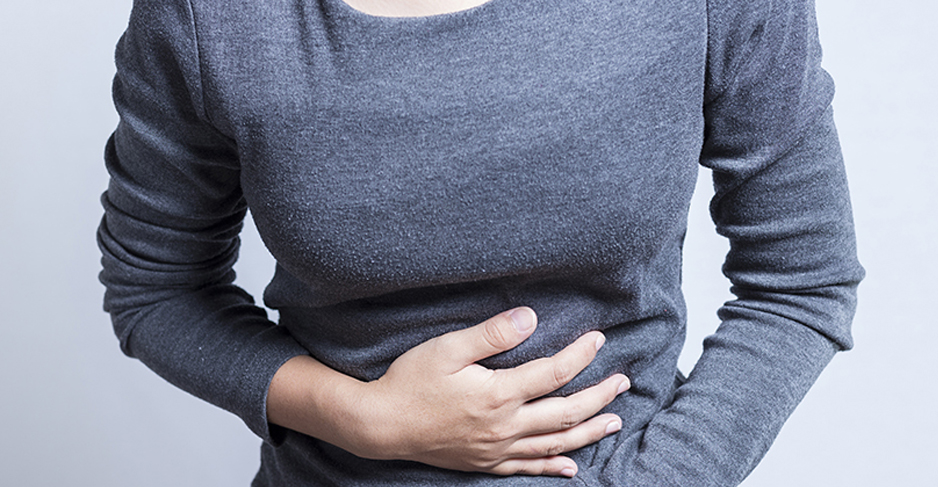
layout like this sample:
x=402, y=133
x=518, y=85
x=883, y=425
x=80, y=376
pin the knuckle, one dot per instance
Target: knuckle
x=493, y=435
x=494, y=333
x=536, y=468
x=485, y=460
x=498, y=398
x=437, y=346
x=556, y=447
x=520, y=468
x=562, y=373
x=570, y=418
x=532, y=450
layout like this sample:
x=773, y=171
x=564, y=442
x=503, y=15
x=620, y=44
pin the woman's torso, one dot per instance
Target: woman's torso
x=414, y=176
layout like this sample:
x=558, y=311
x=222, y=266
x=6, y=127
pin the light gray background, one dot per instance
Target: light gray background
x=74, y=411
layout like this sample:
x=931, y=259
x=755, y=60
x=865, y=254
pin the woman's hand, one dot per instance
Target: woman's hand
x=435, y=405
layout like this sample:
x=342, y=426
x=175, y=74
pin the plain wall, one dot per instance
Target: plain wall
x=75, y=411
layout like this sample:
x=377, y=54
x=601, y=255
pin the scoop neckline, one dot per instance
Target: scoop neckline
x=349, y=10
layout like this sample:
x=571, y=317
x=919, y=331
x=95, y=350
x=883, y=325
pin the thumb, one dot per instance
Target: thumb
x=497, y=334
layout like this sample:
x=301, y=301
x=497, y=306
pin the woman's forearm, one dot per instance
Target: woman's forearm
x=309, y=397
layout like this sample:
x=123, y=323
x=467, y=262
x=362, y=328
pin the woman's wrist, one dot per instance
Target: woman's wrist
x=309, y=397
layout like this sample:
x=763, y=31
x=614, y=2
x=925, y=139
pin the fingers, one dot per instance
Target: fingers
x=539, y=377
x=555, y=466
x=536, y=453
x=539, y=454
x=497, y=334
x=552, y=444
x=554, y=414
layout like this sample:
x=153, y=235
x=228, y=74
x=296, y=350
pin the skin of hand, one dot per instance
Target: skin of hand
x=437, y=406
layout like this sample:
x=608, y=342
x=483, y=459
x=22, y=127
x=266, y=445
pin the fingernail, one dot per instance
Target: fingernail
x=613, y=426
x=523, y=319
x=568, y=472
x=600, y=340
x=624, y=385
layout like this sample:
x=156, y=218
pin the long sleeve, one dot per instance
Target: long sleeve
x=781, y=199
x=169, y=237
x=386, y=189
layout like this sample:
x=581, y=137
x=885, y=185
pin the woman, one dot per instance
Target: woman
x=429, y=175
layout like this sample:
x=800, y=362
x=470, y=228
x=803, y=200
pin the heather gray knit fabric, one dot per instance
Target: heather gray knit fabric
x=416, y=176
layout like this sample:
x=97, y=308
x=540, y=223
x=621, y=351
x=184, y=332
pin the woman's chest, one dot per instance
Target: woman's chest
x=470, y=145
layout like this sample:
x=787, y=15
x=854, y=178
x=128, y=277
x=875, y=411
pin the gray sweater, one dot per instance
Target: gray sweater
x=416, y=176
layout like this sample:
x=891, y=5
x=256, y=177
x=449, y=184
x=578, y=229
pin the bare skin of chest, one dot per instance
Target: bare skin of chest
x=412, y=8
